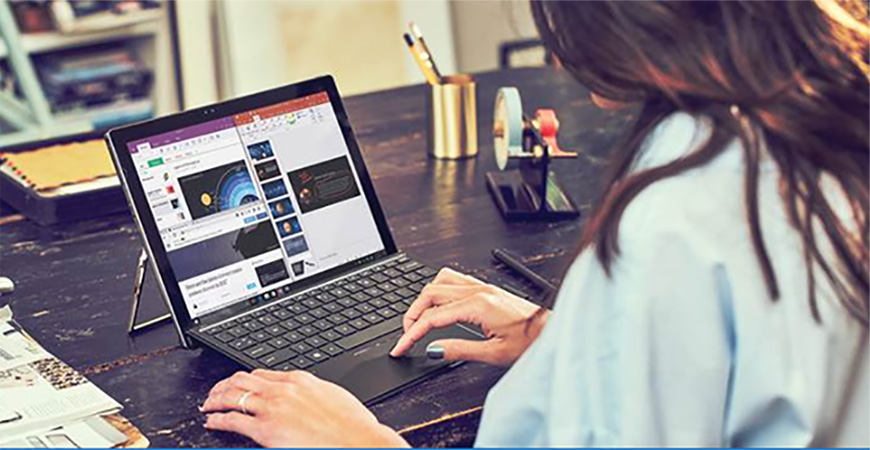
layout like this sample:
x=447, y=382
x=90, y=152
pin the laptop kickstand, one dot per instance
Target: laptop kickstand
x=138, y=284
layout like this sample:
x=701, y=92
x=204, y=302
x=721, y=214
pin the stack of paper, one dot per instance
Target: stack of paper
x=43, y=401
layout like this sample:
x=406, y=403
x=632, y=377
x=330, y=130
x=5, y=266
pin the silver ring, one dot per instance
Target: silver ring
x=242, y=401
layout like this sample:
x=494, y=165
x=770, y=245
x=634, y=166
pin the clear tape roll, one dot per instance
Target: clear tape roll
x=507, y=125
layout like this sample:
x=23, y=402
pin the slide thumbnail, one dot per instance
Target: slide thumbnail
x=219, y=189
x=224, y=250
x=268, y=169
x=289, y=227
x=281, y=208
x=323, y=184
x=295, y=246
x=261, y=150
x=274, y=189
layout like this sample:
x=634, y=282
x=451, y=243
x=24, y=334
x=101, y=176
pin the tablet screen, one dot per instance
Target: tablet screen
x=247, y=204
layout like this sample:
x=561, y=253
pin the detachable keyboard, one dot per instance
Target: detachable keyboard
x=310, y=328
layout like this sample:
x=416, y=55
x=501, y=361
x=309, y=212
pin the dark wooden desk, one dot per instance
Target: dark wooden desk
x=74, y=281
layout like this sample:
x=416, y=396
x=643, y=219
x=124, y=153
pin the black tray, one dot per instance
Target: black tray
x=48, y=210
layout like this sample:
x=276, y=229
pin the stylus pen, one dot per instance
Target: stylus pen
x=516, y=265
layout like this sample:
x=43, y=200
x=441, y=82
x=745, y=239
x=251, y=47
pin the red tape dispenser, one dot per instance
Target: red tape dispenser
x=527, y=190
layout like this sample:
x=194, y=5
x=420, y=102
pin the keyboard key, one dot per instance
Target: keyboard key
x=296, y=308
x=278, y=357
x=238, y=331
x=317, y=356
x=365, y=273
x=332, y=307
x=279, y=342
x=312, y=292
x=405, y=293
x=253, y=325
x=293, y=336
x=225, y=336
x=304, y=318
x=344, y=330
x=400, y=282
x=351, y=313
x=300, y=347
x=324, y=297
x=259, y=350
x=347, y=302
x=364, y=308
x=276, y=330
x=311, y=303
x=285, y=367
x=417, y=287
x=410, y=266
x=273, y=308
x=390, y=298
x=399, y=307
x=378, y=268
x=392, y=273
x=315, y=341
x=301, y=362
x=413, y=277
x=387, y=286
x=392, y=263
x=366, y=283
x=332, y=349
x=282, y=314
x=373, y=318
x=260, y=336
x=374, y=292
x=353, y=278
x=330, y=335
x=359, y=324
x=319, y=313
x=360, y=297
x=352, y=287
x=290, y=324
x=387, y=313
x=308, y=330
x=378, y=303
x=403, y=259
x=337, y=319
x=259, y=313
x=379, y=278
x=427, y=272
x=242, y=343
x=339, y=292
x=373, y=332
x=323, y=324
x=214, y=330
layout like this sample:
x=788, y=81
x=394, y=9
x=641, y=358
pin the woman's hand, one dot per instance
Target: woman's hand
x=294, y=409
x=453, y=298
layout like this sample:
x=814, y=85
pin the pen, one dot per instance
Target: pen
x=426, y=54
x=425, y=65
x=514, y=263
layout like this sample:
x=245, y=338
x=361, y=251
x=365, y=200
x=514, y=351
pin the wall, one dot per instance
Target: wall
x=479, y=26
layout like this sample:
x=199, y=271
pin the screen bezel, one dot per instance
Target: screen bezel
x=118, y=138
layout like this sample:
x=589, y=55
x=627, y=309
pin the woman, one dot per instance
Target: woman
x=721, y=294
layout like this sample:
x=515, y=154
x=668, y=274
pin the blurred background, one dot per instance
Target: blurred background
x=73, y=66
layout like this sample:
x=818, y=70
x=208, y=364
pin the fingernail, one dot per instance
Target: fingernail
x=435, y=351
x=200, y=408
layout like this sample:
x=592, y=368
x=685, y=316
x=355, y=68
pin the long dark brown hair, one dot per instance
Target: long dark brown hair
x=786, y=78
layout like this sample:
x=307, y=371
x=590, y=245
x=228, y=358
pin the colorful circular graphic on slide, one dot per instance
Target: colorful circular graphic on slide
x=235, y=189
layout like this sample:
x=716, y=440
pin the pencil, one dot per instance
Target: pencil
x=430, y=75
x=426, y=52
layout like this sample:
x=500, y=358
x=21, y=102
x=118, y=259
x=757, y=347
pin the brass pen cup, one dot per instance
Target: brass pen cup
x=452, y=122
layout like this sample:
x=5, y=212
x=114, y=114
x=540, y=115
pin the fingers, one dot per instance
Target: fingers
x=240, y=380
x=449, y=276
x=437, y=295
x=464, y=350
x=461, y=311
x=231, y=400
x=235, y=422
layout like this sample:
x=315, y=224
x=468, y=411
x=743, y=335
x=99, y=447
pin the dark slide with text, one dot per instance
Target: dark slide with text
x=323, y=184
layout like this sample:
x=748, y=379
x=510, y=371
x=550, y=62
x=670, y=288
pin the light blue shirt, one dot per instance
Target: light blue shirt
x=682, y=345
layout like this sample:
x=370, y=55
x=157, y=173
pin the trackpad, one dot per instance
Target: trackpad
x=369, y=372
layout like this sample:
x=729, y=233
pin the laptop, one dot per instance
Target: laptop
x=269, y=242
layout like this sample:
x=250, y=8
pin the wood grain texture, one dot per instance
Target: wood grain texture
x=74, y=281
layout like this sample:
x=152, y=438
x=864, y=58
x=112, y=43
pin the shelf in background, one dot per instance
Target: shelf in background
x=142, y=23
